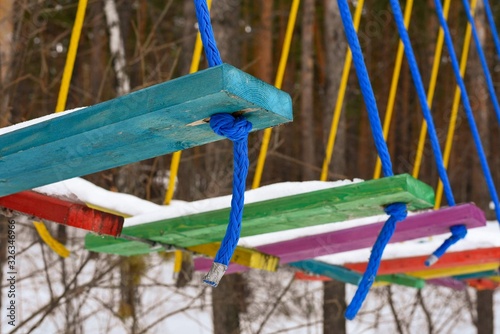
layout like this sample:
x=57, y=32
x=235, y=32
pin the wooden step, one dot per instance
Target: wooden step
x=348, y=276
x=72, y=214
x=414, y=227
x=448, y=260
x=337, y=204
x=144, y=124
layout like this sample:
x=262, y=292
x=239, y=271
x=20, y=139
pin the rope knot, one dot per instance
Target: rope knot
x=458, y=232
x=396, y=210
x=234, y=128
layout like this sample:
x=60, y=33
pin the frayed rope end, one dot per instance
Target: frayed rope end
x=213, y=277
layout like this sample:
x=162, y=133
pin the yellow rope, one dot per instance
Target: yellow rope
x=340, y=99
x=394, y=86
x=176, y=157
x=456, y=104
x=430, y=92
x=44, y=234
x=278, y=83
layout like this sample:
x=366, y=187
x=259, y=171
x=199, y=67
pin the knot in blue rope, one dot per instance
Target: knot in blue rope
x=234, y=128
x=458, y=232
x=397, y=212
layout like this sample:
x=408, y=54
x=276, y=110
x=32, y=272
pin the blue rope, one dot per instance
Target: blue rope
x=457, y=232
x=236, y=129
x=397, y=211
x=207, y=33
x=417, y=79
x=482, y=58
x=468, y=109
x=493, y=28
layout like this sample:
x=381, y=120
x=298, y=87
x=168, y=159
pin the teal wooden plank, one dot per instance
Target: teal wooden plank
x=338, y=204
x=345, y=275
x=144, y=124
x=481, y=274
x=329, y=270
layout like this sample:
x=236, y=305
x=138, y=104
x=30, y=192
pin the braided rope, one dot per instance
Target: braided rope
x=493, y=28
x=482, y=58
x=417, y=79
x=207, y=33
x=397, y=211
x=468, y=109
x=458, y=232
x=236, y=129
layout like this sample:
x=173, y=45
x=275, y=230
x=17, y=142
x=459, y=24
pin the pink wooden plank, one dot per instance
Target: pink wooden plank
x=448, y=282
x=417, y=226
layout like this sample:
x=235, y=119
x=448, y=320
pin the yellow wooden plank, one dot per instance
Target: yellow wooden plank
x=460, y=270
x=244, y=256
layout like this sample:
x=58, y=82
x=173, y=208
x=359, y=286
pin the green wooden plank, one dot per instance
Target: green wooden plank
x=144, y=124
x=314, y=208
x=400, y=279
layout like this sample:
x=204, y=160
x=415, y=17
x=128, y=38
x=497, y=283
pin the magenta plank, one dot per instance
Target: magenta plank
x=448, y=282
x=417, y=226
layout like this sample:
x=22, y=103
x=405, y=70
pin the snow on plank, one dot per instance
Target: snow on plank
x=320, y=207
x=63, y=212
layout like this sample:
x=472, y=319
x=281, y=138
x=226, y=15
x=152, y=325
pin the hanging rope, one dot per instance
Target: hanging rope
x=207, y=34
x=403, y=33
x=340, y=98
x=397, y=211
x=430, y=93
x=261, y=160
x=236, y=129
x=176, y=157
x=458, y=232
x=482, y=58
x=454, y=110
x=468, y=109
x=493, y=28
x=394, y=85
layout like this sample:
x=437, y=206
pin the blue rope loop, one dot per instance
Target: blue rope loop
x=468, y=110
x=207, y=33
x=482, y=58
x=397, y=213
x=419, y=86
x=493, y=28
x=236, y=129
x=458, y=232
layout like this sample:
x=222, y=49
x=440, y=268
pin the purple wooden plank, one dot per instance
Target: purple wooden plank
x=414, y=227
x=448, y=282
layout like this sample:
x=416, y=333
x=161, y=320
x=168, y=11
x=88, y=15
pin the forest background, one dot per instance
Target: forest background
x=158, y=39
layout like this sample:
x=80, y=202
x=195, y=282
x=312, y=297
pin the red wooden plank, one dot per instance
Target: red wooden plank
x=63, y=212
x=302, y=276
x=483, y=284
x=448, y=260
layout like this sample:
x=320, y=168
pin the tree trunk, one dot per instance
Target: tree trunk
x=6, y=42
x=335, y=50
x=334, y=306
x=228, y=302
x=264, y=42
x=307, y=88
x=484, y=306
